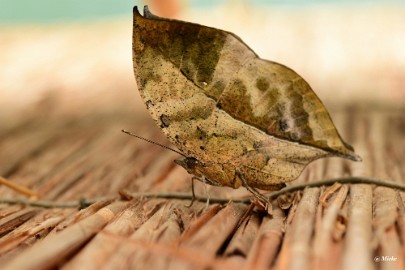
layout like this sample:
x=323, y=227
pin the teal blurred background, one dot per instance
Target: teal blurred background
x=61, y=10
x=43, y=11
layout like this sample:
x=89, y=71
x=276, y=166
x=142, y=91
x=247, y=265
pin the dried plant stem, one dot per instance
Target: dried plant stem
x=186, y=196
x=18, y=188
x=275, y=194
x=82, y=203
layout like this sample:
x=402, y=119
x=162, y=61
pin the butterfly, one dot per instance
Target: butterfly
x=238, y=120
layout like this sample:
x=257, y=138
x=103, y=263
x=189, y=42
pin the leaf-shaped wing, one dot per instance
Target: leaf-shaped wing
x=224, y=72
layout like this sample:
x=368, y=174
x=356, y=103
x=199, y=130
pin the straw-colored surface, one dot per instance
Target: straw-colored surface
x=339, y=227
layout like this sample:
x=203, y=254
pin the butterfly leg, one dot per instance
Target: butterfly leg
x=204, y=179
x=206, y=182
x=192, y=191
x=263, y=200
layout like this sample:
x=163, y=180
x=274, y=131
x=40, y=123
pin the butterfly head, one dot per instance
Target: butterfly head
x=202, y=172
x=191, y=164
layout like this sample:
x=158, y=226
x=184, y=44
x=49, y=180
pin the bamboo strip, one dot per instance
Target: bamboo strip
x=209, y=239
x=9, y=243
x=166, y=235
x=242, y=240
x=385, y=202
x=217, y=229
x=357, y=253
x=323, y=246
x=76, y=216
x=16, y=219
x=326, y=251
x=298, y=237
x=161, y=227
x=54, y=249
x=267, y=241
x=100, y=249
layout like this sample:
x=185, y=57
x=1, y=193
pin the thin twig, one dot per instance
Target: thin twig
x=80, y=204
x=275, y=194
x=186, y=196
x=18, y=188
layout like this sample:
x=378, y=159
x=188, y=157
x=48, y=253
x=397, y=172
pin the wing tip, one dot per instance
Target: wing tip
x=354, y=157
x=347, y=154
x=146, y=12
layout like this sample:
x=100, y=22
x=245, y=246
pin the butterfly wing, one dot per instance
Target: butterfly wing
x=174, y=61
x=216, y=100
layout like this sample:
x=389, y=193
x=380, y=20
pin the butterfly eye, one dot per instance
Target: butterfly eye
x=192, y=162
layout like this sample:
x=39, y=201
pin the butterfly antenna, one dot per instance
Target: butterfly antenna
x=152, y=142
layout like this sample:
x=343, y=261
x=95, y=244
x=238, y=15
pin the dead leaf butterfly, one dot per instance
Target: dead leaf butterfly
x=240, y=120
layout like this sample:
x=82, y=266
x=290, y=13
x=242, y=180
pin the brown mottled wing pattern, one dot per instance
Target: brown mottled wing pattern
x=218, y=102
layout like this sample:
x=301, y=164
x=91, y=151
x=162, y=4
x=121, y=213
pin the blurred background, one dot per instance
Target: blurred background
x=73, y=58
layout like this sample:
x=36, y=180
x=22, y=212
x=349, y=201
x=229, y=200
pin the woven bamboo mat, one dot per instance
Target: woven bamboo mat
x=336, y=227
